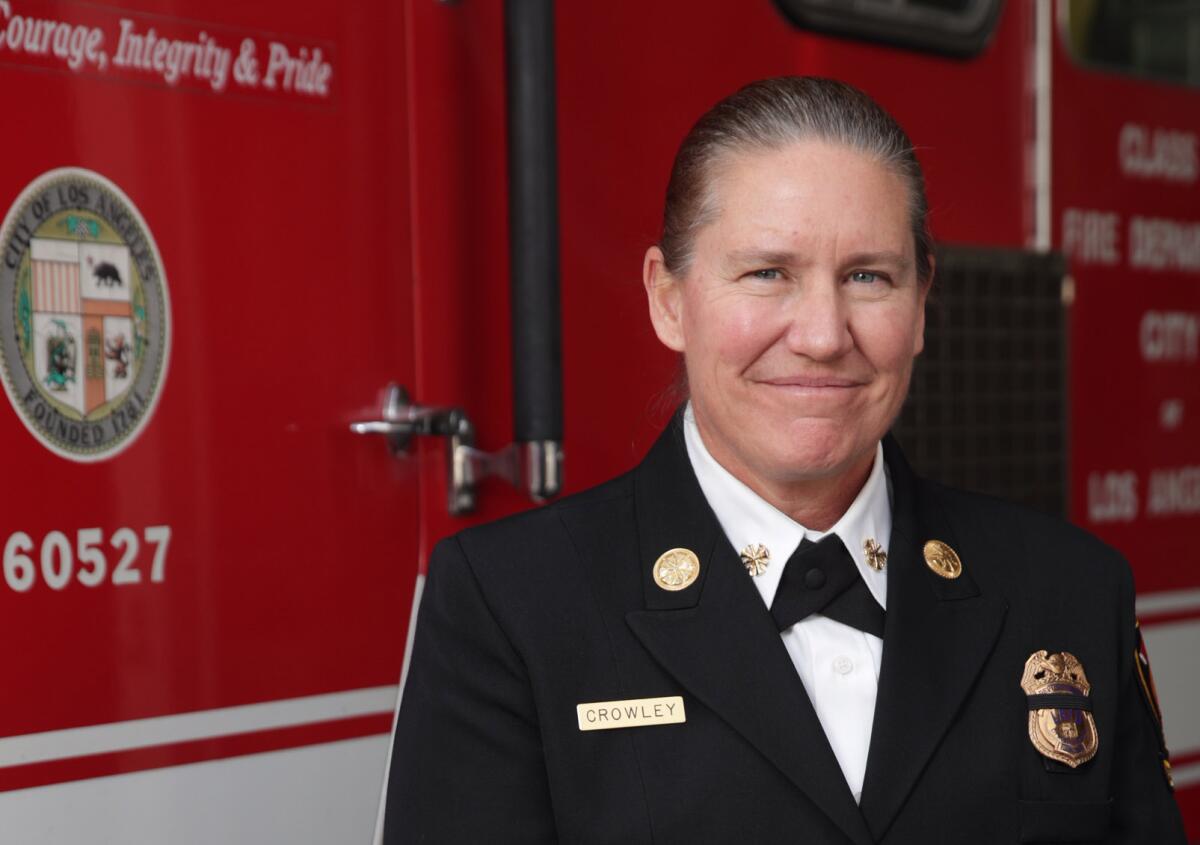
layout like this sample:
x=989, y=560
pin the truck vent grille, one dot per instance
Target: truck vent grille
x=987, y=410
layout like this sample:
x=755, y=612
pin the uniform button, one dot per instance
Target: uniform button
x=814, y=579
x=843, y=665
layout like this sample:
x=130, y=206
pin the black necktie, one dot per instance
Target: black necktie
x=821, y=578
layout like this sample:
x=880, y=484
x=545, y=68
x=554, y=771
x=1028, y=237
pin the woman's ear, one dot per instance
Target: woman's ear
x=664, y=295
x=923, y=293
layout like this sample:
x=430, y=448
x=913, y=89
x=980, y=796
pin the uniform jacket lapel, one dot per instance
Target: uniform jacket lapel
x=937, y=638
x=718, y=639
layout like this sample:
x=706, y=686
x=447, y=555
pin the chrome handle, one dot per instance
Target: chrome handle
x=382, y=427
x=534, y=467
x=401, y=420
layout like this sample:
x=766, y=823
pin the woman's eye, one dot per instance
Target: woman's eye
x=768, y=275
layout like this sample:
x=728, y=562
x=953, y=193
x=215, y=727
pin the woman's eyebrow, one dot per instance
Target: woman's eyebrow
x=895, y=259
x=741, y=257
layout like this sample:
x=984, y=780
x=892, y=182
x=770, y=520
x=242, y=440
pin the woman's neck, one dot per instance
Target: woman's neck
x=816, y=503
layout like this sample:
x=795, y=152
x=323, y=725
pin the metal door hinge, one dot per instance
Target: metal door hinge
x=534, y=467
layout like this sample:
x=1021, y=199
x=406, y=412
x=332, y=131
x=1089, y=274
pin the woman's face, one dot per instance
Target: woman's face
x=800, y=314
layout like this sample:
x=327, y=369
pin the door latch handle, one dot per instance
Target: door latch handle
x=401, y=420
x=534, y=467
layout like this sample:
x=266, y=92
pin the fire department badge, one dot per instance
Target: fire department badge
x=84, y=314
x=1061, y=726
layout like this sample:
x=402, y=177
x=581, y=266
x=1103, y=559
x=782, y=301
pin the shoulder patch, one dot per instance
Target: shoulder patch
x=1141, y=662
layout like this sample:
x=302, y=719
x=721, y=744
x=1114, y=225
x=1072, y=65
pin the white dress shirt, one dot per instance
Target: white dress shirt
x=838, y=664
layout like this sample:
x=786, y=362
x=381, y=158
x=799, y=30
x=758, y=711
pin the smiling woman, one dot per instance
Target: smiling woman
x=800, y=307
x=790, y=636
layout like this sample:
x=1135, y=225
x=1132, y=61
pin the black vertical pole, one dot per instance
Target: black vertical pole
x=533, y=221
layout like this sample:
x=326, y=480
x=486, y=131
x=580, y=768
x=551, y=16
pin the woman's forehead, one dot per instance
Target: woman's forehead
x=813, y=190
x=806, y=170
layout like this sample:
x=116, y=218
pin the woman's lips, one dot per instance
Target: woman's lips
x=813, y=382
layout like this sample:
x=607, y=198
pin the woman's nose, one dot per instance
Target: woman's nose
x=819, y=325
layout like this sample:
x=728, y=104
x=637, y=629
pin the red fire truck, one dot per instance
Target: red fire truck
x=290, y=291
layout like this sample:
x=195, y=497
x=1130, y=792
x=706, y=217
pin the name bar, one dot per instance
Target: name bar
x=630, y=713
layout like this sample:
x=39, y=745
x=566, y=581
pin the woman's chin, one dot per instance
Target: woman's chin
x=817, y=449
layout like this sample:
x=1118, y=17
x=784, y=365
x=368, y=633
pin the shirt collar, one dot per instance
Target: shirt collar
x=747, y=518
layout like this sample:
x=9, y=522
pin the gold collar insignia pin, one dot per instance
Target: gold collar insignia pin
x=676, y=569
x=876, y=556
x=756, y=557
x=1063, y=729
x=942, y=559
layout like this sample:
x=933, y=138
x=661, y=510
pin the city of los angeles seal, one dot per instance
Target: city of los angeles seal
x=84, y=314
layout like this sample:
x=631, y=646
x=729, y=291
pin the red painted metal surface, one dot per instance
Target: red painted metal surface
x=1118, y=391
x=284, y=231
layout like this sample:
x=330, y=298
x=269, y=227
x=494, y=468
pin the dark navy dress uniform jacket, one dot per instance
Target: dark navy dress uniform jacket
x=523, y=619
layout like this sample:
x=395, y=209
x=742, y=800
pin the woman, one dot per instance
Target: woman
x=771, y=630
